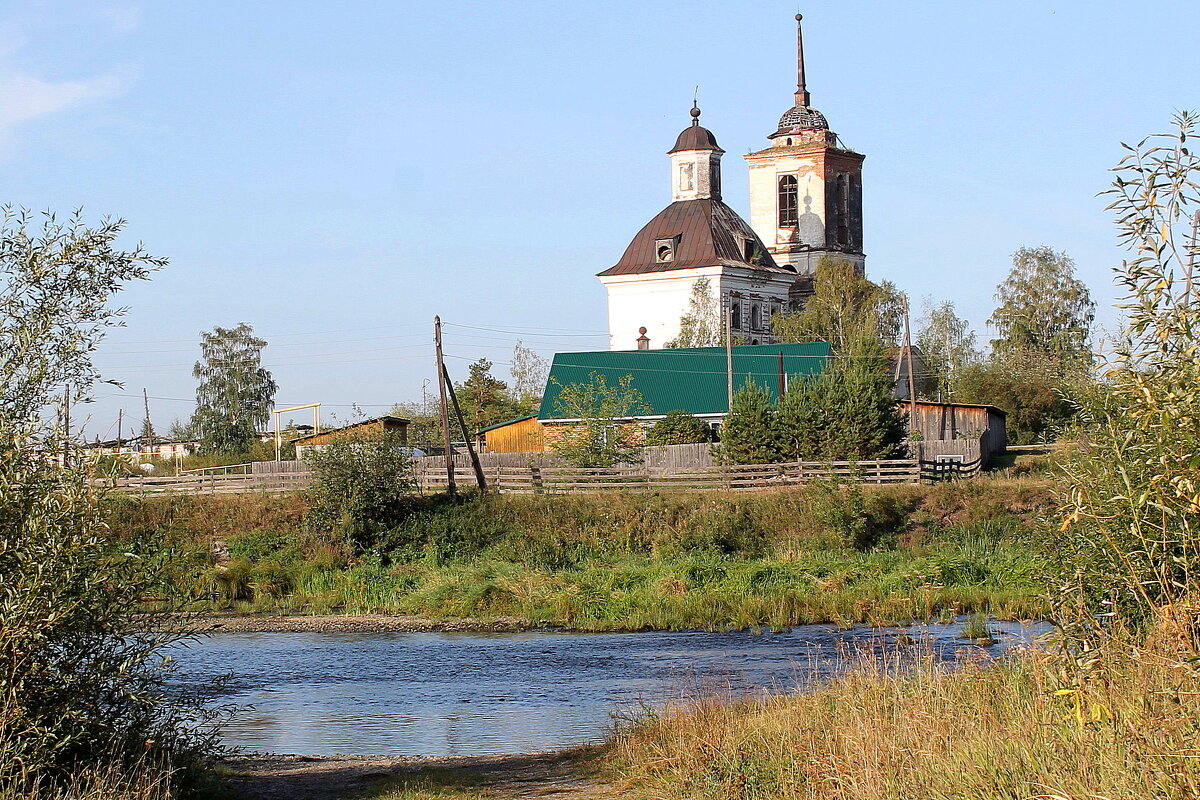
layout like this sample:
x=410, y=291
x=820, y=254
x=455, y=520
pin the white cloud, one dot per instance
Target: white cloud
x=25, y=98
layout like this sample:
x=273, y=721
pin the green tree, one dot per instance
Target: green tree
x=847, y=413
x=235, y=394
x=362, y=483
x=1131, y=499
x=678, y=427
x=700, y=326
x=484, y=399
x=81, y=658
x=947, y=346
x=1028, y=385
x=528, y=371
x=748, y=434
x=843, y=308
x=1043, y=308
x=603, y=435
x=424, y=428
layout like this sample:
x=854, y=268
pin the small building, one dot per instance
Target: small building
x=376, y=425
x=959, y=429
x=290, y=433
x=691, y=379
x=521, y=435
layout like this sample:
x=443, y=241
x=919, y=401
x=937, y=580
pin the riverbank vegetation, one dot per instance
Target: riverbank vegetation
x=823, y=553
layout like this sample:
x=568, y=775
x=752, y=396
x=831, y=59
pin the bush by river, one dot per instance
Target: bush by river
x=617, y=561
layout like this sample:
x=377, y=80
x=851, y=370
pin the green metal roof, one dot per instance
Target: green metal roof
x=686, y=379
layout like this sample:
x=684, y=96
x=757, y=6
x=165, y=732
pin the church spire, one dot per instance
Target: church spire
x=803, y=98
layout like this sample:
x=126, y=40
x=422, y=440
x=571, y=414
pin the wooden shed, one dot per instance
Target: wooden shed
x=963, y=422
x=398, y=425
x=520, y=435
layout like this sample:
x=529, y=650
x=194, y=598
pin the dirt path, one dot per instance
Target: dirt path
x=568, y=775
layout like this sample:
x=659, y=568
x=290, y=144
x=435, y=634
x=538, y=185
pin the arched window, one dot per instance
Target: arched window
x=788, y=206
x=736, y=321
x=755, y=317
x=843, y=210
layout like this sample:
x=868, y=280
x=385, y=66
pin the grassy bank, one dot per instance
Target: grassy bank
x=1123, y=728
x=617, y=561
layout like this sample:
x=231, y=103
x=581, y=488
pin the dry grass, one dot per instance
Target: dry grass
x=1124, y=729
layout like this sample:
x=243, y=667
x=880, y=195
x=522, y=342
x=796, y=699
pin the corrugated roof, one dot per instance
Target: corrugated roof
x=686, y=379
x=710, y=234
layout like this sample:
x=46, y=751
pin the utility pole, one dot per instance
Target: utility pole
x=146, y=402
x=120, y=419
x=913, y=421
x=462, y=425
x=441, y=368
x=729, y=354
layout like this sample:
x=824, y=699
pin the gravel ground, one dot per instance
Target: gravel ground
x=355, y=623
x=566, y=775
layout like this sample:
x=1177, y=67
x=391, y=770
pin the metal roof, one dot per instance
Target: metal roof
x=686, y=379
x=710, y=234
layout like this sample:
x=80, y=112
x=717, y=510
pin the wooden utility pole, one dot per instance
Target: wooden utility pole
x=729, y=353
x=120, y=420
x=146, y=404
x=462, y=425
x=441, y=368
x=913, y=420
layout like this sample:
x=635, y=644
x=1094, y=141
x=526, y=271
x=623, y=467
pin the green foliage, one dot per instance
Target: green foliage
x=235, y=393
x=1027, y=385
x=361, y=484
x=749, y=433
x=528, y=371
x=700, y=326
x=602, y=437
x=854, y=519
x=484, y=400
x=678, y=427
x=844, y=309
x=81, y=678
x=947, y=346
x=1127, y=546
x=1043, y=307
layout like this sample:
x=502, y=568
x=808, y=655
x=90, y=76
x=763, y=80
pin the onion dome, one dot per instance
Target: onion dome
x=695, y=137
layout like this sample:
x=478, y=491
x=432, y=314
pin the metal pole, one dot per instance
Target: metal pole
x=729, y=353
x=441, y=368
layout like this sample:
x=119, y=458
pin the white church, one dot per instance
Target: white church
x=805, y=205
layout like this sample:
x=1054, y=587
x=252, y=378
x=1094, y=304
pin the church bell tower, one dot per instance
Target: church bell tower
x=806, y=187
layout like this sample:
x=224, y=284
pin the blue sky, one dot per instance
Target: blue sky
x=337, y=173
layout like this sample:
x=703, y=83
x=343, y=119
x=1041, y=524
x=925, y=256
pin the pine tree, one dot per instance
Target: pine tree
x=748, y=435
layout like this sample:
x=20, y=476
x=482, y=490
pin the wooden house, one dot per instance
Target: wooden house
x=397, y=425
x=958, y=429
x=521, y=435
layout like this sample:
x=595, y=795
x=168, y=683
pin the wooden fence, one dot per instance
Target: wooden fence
x=535, y=478
x=545, y=478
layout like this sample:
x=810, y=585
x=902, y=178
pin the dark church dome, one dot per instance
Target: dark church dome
x=801, y=118
x=695, y=137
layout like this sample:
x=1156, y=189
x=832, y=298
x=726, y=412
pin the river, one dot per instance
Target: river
x=443, y=694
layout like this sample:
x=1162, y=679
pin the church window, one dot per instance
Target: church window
x=788, y=195
x=686, y=181
x=843, y=210
x=736, y=317
x=664, y=249
x=755, y=317
x=789, y=142
x=749, y=250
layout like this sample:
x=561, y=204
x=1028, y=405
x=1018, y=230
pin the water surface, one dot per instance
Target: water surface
x=439, y=694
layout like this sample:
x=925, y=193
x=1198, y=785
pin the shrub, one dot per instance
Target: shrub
x=361, y=485
x=678, y=427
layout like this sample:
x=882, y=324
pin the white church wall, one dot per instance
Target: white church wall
x=655, y=301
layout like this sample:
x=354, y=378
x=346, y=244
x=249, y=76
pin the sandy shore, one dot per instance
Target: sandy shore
x=354, y=623
x=567, y=776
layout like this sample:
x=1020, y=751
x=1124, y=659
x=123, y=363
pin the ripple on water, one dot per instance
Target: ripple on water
x=439, y=694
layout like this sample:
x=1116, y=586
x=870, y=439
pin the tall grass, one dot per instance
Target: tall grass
x=624, y=562
x=1030, y=727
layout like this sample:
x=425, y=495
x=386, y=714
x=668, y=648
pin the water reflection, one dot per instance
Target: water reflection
x=439, y=694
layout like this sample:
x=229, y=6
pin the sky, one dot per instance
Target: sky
x=335, y=174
